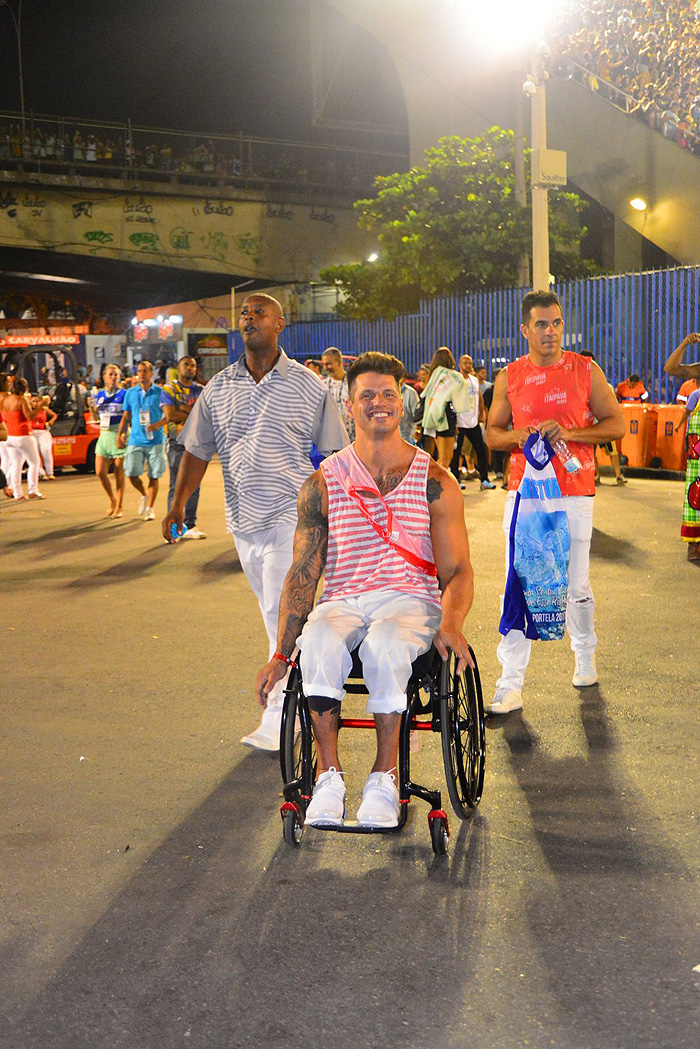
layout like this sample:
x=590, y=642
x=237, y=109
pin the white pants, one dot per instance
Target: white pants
x=391, y=629
x=265, y=559
x=7, y=457
x=26, y=450
x=45, y=451
x=514, y=650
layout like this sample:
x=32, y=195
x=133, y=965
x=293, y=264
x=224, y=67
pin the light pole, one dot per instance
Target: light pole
x=540, y=198
x=17, y=19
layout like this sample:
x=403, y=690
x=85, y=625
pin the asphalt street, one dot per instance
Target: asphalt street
x=149, y=901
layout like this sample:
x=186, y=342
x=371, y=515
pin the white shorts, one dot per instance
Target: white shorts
x=389, y=629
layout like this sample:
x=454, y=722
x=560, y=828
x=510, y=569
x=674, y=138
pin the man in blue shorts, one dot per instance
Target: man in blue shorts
x=146, y=447
x=177, y=400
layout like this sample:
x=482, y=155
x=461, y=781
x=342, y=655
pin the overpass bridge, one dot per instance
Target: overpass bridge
x=120, y=216
x=452, y=86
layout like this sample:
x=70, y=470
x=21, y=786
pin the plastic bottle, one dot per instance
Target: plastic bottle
x=571, y=462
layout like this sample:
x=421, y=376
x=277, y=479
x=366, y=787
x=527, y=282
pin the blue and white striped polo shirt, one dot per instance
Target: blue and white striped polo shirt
x=262, y=433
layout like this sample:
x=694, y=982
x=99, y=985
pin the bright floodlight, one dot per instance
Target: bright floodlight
x=504, y=26
x=638, y=203
x=373, y=257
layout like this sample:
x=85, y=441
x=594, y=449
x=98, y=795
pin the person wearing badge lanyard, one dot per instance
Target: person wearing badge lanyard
x=145, y=449
x=107, y=409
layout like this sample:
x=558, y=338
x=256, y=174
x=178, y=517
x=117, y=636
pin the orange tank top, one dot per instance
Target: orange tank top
x=560, y=391
x=17, y=425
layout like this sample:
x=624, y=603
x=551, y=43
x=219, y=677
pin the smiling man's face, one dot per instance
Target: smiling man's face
x=376, y=404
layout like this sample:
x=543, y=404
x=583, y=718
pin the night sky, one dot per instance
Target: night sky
x=214, y=65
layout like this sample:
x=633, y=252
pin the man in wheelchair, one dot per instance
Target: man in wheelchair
x=386, y=525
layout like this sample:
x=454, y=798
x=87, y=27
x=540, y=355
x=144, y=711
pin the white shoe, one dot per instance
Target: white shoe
x=143, y=503
x=149, y=514
x=585, y=672
x=194, y=533
x=327, y=803
x=380, y=801
x=505, y=699
x=36, y=495
x=267, y=735
x=262, y=739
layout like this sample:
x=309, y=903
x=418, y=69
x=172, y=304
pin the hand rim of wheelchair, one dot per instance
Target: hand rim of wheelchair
x=463, y=734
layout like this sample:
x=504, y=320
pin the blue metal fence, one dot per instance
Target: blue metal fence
x=630, y=321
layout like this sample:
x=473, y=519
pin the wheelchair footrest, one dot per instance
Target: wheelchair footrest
x=353, y=827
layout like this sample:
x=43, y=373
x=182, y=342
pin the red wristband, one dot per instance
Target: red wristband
x=285, y=659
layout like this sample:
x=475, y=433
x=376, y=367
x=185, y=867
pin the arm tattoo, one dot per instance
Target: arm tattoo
x=433, y=490
x=310, y=549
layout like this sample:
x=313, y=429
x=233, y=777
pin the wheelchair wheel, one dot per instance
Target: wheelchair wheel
x=292, y=829
x=463, y=737
x=297, y=746
x=439, y=835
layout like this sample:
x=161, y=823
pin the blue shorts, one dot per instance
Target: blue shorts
x=137, y=458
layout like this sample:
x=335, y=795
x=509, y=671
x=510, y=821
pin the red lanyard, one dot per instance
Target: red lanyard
x=388, y=534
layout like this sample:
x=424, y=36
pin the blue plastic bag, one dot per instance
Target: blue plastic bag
x=536, y=587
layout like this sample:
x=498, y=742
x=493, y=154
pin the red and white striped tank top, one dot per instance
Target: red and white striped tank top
x=358, y=560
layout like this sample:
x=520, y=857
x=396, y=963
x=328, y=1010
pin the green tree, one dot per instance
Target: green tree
x=452, y=226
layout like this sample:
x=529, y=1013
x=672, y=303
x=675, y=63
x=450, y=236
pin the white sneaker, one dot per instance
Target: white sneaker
x=380, y=801
x=194, y=533
x=149, y=514
x=267, y=735
x=327, y=803
x=143, y=503
x=505, y=699
x=585, y=672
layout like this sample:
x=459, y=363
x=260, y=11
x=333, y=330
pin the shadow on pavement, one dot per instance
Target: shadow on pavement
x=223, y=565
x=229, y=937
x=95, y=531
x=123, y=571
x=615, y=904
x=610, y=548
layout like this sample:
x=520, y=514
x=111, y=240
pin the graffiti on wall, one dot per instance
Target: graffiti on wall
x=258, y=238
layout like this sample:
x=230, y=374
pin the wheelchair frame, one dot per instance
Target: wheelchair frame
x=455, y=707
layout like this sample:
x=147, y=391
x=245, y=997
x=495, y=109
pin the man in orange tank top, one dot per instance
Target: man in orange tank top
x=380, y=594
x=558, y=393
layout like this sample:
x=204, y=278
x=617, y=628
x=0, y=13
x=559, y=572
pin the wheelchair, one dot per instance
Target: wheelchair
x=438, y=700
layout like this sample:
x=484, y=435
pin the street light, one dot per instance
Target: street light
x=509, y=26
x=17, y=19
x=534, y=87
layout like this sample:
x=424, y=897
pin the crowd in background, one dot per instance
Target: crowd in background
x=446, y=406
x=51, y=143
x=649, y=50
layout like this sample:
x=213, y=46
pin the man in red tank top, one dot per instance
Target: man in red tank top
x=380, y=594
x=558, y=393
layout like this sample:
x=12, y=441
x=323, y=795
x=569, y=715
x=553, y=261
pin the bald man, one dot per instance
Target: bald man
x=261, y=416
x=337, y=383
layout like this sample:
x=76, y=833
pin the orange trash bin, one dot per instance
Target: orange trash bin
x=670, y=446
x=639, y=441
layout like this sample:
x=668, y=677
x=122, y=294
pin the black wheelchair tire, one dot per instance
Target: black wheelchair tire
x=463, y=735
x=297, y=753
x=291, y=829
x=439, y=836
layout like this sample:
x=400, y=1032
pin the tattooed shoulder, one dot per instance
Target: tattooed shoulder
x=433, y=490
x=311, y=500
